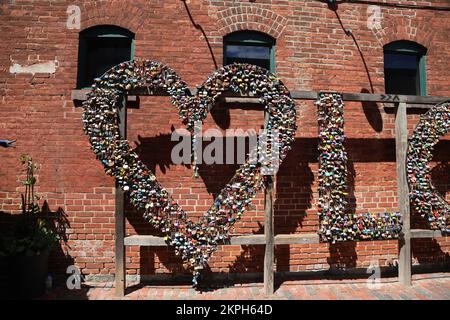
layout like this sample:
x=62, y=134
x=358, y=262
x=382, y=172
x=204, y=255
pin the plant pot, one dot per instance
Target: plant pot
x=26, y=275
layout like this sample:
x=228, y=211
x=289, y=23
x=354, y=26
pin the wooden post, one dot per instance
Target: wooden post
x=120, y=281
x=401, y=145
x=269, y=254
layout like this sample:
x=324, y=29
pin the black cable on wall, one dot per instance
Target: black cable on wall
x=386, y=4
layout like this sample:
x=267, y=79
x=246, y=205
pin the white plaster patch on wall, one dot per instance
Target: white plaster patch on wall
x=43, y=67
x=375, y=22
x=73, y=17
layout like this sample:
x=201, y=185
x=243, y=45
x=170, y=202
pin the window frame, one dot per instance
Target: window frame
x=251, y=38
x=99, y=31
x=410, y=48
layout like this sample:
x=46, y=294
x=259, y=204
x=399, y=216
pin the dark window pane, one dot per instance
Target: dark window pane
x=400, y=61
x=247, y=52
x=401, y=73
x=257, y=55
x=401, y=81
x=249, y=47
x=104, y=53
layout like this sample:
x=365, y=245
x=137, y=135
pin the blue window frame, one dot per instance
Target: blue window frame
x=249, y=47
x=100, y=48
x=405, y=68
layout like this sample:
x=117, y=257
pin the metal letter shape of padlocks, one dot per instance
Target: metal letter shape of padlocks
x=336, y=223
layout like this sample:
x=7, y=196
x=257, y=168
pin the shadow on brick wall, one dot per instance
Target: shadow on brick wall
x=58, y=261
x=428, y=252
x=440, y=177
x=343, y=254
x=372, y=112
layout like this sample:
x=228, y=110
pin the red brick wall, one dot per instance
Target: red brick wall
x=312, y=53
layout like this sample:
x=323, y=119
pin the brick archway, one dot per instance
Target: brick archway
x=411, y=30
x=94, y=14
x=250, y=18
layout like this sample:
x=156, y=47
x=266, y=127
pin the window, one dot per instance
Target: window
x=404, y=68
x=250, y=47
x=100, y=48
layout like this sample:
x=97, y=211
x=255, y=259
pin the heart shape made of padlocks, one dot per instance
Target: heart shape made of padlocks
x=194, y=242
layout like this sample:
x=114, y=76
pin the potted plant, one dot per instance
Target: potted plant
x=29, y=241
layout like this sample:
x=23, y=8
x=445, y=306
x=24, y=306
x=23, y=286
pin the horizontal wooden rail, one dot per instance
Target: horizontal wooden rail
x=258, y=239
x=416, y=101
x=81, y=95
x=254, y=239
x=426, y=233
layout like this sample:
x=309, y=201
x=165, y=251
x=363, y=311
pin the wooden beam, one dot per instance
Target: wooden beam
x=304, y=95
x=81, y=95
x=426, y=233
x=393, y=98
x=401, y=144
x=416, y=101
x=269, y=255
x=245, y=100
x=120, y=273
x=269, y=232
x=413, y=101
x=245, y=240
x=309, y=238
x=145, y=241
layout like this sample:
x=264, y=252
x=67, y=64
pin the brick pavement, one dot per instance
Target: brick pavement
x=425, y=287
